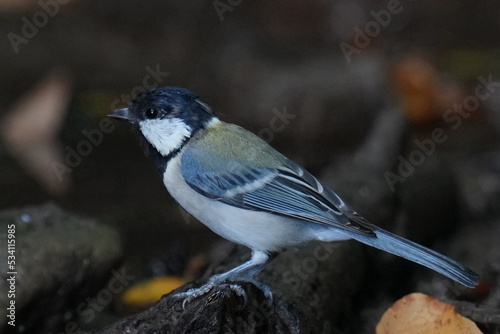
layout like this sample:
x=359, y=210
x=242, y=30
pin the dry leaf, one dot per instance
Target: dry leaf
x=31, y=127
x=148, y=292
x=425, y=93
x=421, y=314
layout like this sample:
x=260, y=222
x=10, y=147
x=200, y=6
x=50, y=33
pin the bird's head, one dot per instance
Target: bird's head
x=166, y=118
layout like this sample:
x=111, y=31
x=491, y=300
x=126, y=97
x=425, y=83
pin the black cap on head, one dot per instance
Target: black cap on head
x=166, y=102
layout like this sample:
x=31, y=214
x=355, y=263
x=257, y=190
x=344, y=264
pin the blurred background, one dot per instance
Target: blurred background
x=310, y=77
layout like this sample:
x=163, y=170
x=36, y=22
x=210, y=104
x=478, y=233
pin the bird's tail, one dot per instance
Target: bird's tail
x=419, y=254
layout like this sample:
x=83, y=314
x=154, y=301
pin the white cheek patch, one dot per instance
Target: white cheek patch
x=165, y=135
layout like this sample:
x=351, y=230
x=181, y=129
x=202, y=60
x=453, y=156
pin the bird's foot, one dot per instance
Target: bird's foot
x=195, y=293
x=266, y=290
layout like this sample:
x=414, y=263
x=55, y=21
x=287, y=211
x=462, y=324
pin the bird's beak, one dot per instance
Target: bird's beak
x=123, y=113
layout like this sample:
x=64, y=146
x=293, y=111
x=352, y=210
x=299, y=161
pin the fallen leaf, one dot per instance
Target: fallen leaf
x=421, y=314
x=150, y=291
x=425, y=93
x=31, y=127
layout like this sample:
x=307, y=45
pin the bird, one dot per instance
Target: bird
x=244, y=190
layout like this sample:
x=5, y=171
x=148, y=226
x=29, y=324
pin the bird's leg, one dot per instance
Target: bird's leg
x=245, y=272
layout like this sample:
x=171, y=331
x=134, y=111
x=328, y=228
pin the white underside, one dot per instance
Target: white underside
x=257, y=230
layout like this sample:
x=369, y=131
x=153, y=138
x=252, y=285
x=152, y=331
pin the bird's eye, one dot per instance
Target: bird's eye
x=151, y=113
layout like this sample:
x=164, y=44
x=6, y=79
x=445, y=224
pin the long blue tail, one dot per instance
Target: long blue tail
x=417, y=253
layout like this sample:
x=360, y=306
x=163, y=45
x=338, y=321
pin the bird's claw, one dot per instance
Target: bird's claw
x=240, y=292
x=268, y=294
x=195, y=293
x=237, y=289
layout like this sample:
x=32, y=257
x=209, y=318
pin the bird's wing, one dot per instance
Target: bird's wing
x=282, y=188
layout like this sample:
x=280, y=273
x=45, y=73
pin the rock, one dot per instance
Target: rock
x=310, y=285
x=60, y=259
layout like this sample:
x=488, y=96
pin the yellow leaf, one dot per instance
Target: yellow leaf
x=148, y=292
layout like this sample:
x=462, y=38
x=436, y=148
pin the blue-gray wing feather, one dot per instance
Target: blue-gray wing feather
x=287, y=191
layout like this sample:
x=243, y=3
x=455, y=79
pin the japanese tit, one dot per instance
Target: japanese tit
x=242, y=189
